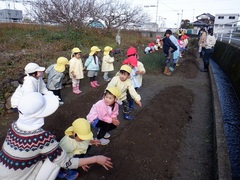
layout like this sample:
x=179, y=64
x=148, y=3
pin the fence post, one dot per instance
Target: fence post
x=230, y=38
x=222, y=33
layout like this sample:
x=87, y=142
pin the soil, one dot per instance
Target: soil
x=170, y=138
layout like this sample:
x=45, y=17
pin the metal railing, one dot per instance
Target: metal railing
x=229, y=33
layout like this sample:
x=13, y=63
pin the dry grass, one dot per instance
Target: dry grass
x=23, y=43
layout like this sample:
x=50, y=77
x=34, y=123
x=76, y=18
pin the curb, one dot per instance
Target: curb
x=222, y=169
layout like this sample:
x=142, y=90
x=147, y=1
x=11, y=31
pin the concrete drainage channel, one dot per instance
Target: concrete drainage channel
x=226, y=125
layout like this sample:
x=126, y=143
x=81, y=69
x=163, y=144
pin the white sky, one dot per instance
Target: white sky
x=172, y=10
x=187, y=9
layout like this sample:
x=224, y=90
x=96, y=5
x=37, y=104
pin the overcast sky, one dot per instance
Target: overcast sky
x=172, y=10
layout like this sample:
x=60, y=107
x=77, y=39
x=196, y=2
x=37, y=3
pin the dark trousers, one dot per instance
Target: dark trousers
x=126, y=109
x=104, y=128
x=206, y=55
x=129, y=97
x=57, y=93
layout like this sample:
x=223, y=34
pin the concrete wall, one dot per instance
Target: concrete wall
x=227, y=57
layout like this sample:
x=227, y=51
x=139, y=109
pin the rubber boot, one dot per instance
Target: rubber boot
x=127, y=116
x=205, y=69
x=92, y=84
x=96, y=83
x=166, y=71
x=78, y=89
x=75, y=90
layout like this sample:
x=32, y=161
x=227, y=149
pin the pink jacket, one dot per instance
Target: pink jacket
x=103, y=112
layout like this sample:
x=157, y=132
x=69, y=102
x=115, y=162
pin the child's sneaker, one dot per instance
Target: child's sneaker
x=68, y=174
x=104, y=141
x=107, y=135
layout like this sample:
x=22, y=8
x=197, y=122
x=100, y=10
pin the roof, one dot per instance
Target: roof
x=206, y=14
x=200, y=23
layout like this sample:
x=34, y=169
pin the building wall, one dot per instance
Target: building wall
x=11, y=14
x=226, y=19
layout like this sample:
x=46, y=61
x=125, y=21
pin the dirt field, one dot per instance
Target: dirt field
x=170, y=138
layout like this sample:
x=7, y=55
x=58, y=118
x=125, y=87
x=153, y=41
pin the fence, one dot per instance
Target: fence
x=227, y=33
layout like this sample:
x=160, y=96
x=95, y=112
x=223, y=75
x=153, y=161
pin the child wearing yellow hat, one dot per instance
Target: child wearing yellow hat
x=92, y=65
x=123, y=82
x=76, y=143
x=55, y=77
x=76, y=70
x=103, y=114
x=107, y=63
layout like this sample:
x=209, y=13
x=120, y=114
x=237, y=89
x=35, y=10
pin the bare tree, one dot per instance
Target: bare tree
x=112, y=14
x=67, y=12
x=120, y=14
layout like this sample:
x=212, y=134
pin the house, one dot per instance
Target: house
x=204, y=20
x=225, y=23
x=11, y=15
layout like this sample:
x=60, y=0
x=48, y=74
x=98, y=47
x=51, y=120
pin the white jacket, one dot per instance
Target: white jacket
x=210, y=42
x=30, y=84
x=107, y=63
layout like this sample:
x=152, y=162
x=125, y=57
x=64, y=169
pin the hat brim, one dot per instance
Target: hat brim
x=86, y=137
x=51, y=105
x=59, y=68
x=41, y=69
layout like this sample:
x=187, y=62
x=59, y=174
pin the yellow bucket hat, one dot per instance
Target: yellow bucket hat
x=61, y=62
x=82, y=128
x=75, y=50
x=115, y=91
x=107, y=49
x=93, y=50
x=126, y=68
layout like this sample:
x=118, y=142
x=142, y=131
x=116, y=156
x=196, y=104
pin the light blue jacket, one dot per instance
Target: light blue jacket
x=91, y=65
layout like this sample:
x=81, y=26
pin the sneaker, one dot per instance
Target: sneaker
x=68, y=174
x=61, y=102
x=104, y=141
x=108, y=79
x=107, y=135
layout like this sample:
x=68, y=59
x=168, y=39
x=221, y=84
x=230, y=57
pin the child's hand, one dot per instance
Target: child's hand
x=139, y=103
x=85, y=167
x=104, y=161
x=95, y=142
x=115, y=121
x=73, y=75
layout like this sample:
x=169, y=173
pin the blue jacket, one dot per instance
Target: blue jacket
x=91, y=64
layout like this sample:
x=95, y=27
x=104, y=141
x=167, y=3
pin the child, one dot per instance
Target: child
x=31, y=82
x=76, y=69
x=107, y=63
x=55, y=77
x=181, y=46
x=136, y=73
x=30, y=152
x=158, y=42
x=76, y=143
x=123, y=83
x=103, y=114
x=92, y=65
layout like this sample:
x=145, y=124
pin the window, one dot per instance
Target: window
x=231, y=17
x=220, y=17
